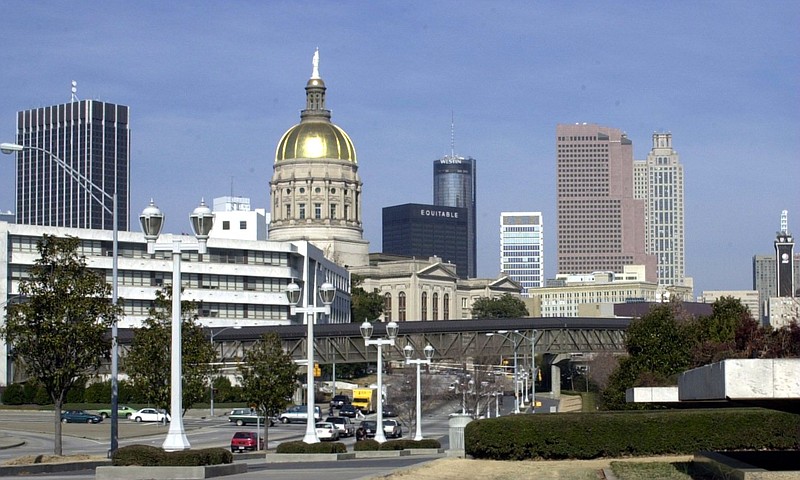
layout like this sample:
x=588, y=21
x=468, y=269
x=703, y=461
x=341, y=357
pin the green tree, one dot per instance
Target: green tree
x=363, y=304
x=506, y=306
x=60, y=332
x=268, y=377
x=148, y=362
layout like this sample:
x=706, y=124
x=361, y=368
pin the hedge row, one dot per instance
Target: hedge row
x=148, y=456
x=370, y=444
x=302, y=447
x=621, y=434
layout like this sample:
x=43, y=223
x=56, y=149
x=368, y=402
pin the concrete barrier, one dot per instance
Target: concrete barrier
x=168, y=473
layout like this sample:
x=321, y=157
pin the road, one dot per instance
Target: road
x=36, y=429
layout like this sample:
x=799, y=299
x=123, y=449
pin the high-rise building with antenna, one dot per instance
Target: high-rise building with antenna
x=455, y=185
x=93, y=138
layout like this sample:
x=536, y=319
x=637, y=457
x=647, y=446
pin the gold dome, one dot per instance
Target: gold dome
x=313, y=140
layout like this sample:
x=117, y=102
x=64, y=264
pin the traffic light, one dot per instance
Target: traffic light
x=317, y=370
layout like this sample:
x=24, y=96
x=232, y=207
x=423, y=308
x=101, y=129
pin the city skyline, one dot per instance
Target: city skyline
x=212, y=91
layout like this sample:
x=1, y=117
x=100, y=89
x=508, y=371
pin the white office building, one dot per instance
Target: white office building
x=522, y=248
x=658, y=180
x=237, y=283
x=234, y=219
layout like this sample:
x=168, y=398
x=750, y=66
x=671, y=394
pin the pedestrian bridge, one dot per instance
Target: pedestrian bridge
x=452, y=340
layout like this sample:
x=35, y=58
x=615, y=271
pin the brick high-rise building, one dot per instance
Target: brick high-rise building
x=600, y=225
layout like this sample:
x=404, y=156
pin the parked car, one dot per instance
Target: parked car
x=123, y=411
x=80, y=416
x=389, y=411
x=243, y=441
x=348, y=411
x=327, y=431
x=149, y=415
x=297, y=414
x=345, y=426
x=338, y=401
x=392, y=429
x=370, y=427
x=245, y=416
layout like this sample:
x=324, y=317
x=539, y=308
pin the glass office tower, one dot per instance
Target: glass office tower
x=93, y=138
x=454, y=185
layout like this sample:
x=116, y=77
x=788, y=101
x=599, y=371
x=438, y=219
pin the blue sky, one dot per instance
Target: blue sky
x=213, y=85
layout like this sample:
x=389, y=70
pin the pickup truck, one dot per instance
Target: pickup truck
x=245, y=416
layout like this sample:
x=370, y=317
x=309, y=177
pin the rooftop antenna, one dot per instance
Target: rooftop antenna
x=75, y=91
x=231, y=186
x=784, y=221
x=452, y=134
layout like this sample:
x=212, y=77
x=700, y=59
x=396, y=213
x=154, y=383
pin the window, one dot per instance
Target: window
x=302, y=208
x=424, y=306
x=243, y=225
x=435, y=306
x=387, y=307
x=226, y=225
x=317, y=211
x=288, y=211
x=401, y=306
x=333, y=211
x=446, y=307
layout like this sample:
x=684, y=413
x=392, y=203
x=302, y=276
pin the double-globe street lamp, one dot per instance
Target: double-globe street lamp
x=152, y=221
x=408, y=351
x=327, y=292
x=212, y=334
x=91, y=188
x=391, y=333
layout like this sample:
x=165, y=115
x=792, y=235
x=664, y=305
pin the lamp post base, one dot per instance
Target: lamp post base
x=176, y=441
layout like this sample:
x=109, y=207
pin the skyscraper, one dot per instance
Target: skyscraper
x=93, y=138
x=315, y=189
x=454, y=185
x=600, y=223
x=425, y=231
x=784, y=258
x=658, y=181
x=522, y=248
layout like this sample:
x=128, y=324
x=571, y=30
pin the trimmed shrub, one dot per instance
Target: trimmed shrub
x=14, y=394
x=148, y=456
x=366, y=445
x=409, y=444
x=635, y=433
x=302, y=447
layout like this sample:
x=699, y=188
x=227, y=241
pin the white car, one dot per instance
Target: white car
x=149, y=415
x=327, y=431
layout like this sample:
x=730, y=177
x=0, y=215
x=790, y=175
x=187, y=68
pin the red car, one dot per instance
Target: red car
x=243, y=441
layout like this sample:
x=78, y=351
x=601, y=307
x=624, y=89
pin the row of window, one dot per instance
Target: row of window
x=401, y=306
x=97, y=248
x=213, y=310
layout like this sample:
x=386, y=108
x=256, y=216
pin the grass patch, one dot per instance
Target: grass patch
x=660, y=470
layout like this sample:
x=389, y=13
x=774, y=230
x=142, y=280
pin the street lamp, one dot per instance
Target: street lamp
x=213, y=334
x=327, y=292
x=408, y=351
x=513, y=338
x=152, y=221
x=91, y=187
x=391, y=333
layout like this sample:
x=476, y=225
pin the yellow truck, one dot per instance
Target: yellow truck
x=365, y=399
